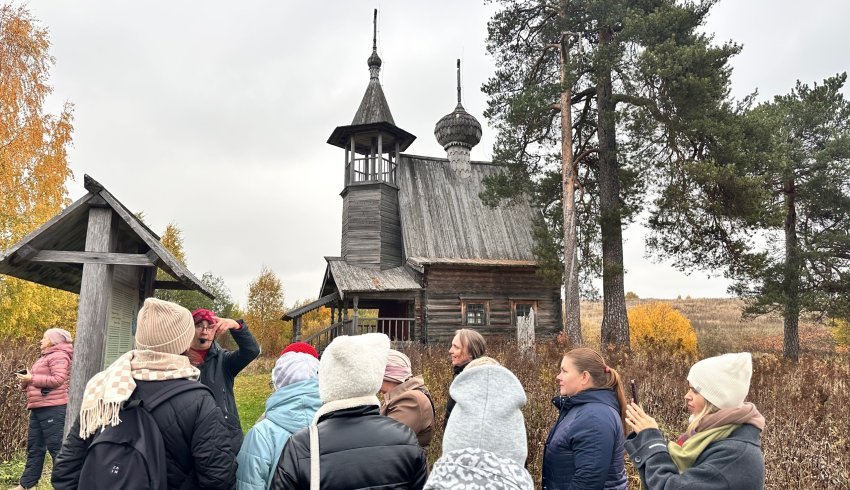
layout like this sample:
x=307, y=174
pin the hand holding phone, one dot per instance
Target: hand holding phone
x=633, y=389
x=22, y=372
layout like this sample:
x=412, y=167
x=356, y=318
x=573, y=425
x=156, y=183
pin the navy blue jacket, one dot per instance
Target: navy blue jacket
x=584, y=450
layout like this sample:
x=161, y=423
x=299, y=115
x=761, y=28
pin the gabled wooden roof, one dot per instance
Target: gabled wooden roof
x=349, y=278
x=39, y=257
x=442, y=216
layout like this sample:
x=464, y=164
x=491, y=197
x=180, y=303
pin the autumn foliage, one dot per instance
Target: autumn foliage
x=660, y=326
x=33, y=169
x=841, y=334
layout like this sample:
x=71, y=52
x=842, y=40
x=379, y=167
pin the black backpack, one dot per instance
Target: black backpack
x=131, y=455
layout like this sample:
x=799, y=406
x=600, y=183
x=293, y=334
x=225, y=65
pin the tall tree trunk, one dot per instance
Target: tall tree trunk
x=791, y=279
x=568, y=186
x=615, y=323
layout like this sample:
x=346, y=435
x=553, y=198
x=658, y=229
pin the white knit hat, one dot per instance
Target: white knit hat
x=164, y=327
x=723, y=381
x=293, y=367
x=353, y=366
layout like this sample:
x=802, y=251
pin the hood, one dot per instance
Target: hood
x=487, y=413
x=594, y=395
x=412, y=383
x=65, y=347
x=477, y=468
x=293, y=406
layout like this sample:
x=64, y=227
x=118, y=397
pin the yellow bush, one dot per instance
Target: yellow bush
x=841, y=334
x=659, y=325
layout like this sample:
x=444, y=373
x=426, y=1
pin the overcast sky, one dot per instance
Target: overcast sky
x=214, y=115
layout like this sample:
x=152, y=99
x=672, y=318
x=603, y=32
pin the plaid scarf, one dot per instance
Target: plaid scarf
x=107, y=390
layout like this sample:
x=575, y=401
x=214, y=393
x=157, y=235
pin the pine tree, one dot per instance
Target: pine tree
x=640, y=76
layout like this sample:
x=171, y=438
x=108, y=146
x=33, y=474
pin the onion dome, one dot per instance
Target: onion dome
x=458, y=128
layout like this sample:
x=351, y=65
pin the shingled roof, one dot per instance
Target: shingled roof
x=442, y=216
x=39, y=257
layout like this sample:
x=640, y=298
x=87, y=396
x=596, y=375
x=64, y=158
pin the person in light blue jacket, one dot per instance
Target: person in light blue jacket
x=290, y=408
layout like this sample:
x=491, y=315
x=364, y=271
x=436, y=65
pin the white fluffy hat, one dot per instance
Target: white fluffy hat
x=353, y=366
x=723, y=381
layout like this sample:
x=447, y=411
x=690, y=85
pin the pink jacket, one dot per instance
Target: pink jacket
x=51, y=374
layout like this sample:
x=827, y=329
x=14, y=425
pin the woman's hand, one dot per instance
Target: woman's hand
x=224, y=324
x=637, y=419
x=24, y=378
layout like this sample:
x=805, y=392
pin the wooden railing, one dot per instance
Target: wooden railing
x=323, y=337
x=369, y=169
x=397, y=329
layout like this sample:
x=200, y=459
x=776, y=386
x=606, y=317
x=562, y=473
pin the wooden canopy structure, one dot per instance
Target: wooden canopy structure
x=99, y=249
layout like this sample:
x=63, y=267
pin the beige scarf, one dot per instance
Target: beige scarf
x=107, y=390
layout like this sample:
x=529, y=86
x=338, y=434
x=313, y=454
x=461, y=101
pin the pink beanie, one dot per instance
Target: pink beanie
x=58, y=335
x=398, y=367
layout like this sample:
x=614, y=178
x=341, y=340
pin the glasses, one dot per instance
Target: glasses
x=202, y=328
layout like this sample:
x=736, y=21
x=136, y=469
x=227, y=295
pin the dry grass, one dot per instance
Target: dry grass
x=805, y=442
x=805, y=404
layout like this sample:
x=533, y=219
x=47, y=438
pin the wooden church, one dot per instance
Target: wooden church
x=418, y=245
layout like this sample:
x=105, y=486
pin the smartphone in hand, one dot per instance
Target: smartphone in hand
x=633, y=389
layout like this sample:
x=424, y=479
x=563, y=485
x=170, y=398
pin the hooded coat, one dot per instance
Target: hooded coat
x=357, y=446
x=51, y=374
x=584, y=449
x=410, y=403
x=288, y=410
x=485, y=444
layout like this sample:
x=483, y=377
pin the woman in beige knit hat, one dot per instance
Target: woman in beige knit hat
x=721, y=447
x=197, y=446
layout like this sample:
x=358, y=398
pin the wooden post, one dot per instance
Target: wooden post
x=353, y=177
x=397, y=161
x=379, y=157
x=355, y=317
x=296, y=329
x=347, y=171
x=93, y=312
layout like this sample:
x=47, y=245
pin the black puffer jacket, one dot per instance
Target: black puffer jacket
x=220, y=369
x=197, y=447
x=359, y=449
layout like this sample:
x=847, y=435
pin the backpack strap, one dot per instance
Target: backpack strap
x=315, y=474
x=172, y=390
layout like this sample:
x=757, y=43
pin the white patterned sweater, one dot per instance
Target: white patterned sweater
x=477, y=469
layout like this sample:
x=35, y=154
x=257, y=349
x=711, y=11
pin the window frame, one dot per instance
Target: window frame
x=485, y=312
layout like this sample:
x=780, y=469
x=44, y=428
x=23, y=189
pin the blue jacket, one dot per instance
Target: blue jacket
x=584, y=450
x=288, y=410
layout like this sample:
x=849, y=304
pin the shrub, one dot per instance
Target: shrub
x=630, y=295
x=659, y=326
x=841, y=334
